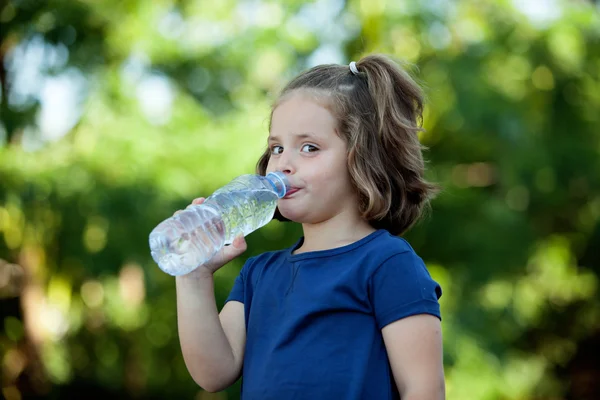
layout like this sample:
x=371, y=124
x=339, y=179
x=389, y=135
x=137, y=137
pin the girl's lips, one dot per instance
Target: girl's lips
x=291, y=192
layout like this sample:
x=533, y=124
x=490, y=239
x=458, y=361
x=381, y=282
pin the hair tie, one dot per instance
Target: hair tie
x=353, y=68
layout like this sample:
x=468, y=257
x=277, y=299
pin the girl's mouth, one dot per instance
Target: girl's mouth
x=291, y=192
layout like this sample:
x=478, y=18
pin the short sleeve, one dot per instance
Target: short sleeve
x=400, y=287
x=239, y=287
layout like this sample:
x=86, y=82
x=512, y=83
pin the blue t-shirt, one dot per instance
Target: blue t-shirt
x=314, y=319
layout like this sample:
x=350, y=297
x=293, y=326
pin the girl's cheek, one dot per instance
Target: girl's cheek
x=269, y=167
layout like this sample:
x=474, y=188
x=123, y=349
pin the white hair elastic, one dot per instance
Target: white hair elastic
x=353, y=68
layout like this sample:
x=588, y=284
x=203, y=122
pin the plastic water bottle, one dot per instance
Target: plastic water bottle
x=192, y=237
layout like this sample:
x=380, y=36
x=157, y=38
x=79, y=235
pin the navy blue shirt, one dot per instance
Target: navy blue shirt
x=314, y=319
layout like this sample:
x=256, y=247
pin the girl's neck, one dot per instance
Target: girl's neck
x=335, y=232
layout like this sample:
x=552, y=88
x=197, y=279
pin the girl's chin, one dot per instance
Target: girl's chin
x=299, y=218
x=291, y=215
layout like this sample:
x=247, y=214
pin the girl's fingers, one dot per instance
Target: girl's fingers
x=237, y=247
x=196, y=201
x=239, y=242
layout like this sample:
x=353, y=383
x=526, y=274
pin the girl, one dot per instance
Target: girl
x=349, y=311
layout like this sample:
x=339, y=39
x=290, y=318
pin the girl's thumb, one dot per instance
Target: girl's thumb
x=240, y=241
x=238, y=246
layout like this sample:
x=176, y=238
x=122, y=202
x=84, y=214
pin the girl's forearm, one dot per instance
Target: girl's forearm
x=207, y=353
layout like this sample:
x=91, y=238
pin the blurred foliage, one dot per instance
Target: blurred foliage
x=116, y=113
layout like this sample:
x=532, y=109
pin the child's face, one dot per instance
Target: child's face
x=304, y=144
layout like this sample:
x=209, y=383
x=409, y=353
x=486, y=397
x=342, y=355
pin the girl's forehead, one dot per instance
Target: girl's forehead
x=317, y=96
x=301, y=113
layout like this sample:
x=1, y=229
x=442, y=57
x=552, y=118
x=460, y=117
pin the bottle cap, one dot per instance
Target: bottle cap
x=280, y=183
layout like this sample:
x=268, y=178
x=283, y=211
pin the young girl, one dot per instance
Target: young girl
x=349, y=311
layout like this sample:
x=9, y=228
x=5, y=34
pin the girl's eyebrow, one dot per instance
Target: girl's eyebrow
x=299, y=135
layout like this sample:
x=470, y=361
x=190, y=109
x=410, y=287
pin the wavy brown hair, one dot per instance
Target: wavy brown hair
x=379, y=113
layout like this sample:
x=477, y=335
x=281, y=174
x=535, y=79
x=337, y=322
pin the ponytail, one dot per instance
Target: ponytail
x=398, y=104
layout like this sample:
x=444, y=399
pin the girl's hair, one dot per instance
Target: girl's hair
x=379, y=113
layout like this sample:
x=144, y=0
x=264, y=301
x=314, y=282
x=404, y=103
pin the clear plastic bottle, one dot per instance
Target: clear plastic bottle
x=192, y=237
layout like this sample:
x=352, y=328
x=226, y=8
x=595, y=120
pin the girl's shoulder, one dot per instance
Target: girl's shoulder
x=385, y=245
x=258, y=262
x=268, y=257
x=392, y=243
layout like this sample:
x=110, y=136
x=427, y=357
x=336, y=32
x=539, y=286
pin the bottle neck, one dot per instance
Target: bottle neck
x=279, y=182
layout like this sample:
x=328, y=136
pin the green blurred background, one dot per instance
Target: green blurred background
x=115, y=113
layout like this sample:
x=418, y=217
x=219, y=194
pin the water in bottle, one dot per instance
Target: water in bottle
x=192, y=237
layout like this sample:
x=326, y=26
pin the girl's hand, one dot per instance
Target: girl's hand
x=223, y=256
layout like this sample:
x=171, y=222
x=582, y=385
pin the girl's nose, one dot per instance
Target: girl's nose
x=286, y=164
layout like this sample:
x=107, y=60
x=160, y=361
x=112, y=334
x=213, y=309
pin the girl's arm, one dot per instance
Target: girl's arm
x=212, y=344
x=414, y=347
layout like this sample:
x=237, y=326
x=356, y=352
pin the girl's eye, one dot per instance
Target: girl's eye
x=276, y=150
x=309, y=148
